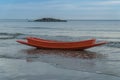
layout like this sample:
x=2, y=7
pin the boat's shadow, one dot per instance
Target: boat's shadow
x=65, y=53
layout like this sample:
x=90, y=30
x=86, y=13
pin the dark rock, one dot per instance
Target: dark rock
x=49, y=20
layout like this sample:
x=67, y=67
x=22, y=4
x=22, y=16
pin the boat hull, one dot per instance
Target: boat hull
x=75, y=48
x=60, y=45
x=51, y=44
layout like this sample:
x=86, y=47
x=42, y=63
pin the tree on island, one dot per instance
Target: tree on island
x=49, y=20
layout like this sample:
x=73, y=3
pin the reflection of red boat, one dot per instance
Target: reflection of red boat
x=51, y=44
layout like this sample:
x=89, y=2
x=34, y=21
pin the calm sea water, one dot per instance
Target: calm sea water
x=18, y=63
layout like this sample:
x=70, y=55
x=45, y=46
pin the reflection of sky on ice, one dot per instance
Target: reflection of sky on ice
x=20, y=70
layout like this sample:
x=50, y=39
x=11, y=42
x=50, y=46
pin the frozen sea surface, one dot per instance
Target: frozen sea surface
x=21, y=70
x=20, y=62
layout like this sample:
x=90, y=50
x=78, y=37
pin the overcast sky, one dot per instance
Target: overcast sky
x=65, y=9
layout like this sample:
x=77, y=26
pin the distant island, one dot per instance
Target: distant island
x=49, y=20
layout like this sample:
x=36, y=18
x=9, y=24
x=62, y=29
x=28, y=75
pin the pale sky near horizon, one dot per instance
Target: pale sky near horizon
x=65, y=9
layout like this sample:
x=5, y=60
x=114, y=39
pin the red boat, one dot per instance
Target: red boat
x=51, y=44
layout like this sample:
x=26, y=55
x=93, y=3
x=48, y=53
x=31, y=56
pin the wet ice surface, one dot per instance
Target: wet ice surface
x=27, y=63
x=22, y=70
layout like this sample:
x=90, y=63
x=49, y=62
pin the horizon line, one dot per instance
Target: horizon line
x=66, y=19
